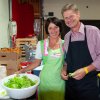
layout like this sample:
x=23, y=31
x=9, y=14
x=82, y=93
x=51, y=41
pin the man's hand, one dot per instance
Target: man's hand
x=79, y=74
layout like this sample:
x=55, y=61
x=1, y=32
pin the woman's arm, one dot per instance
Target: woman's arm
x=35, y=64
x=64, y=75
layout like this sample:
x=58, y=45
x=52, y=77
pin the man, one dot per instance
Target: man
x=82, y=48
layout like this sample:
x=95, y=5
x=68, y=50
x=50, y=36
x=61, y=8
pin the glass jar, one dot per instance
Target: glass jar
x=3, y=72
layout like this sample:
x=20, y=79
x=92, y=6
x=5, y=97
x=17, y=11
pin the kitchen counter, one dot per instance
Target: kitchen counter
x=30, y=98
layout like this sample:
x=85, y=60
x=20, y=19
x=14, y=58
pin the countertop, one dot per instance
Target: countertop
x=30, y=98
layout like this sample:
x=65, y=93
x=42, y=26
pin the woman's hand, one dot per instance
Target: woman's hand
x=35, y=64
x=64, y=75
x=79, y=74
x=18, y=72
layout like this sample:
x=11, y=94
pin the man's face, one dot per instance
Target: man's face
x=71, y=18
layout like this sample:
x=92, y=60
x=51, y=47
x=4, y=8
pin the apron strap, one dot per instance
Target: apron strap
x=43, y=49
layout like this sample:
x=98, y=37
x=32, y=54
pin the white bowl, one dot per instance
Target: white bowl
x=21, y=93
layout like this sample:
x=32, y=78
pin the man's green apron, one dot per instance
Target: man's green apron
x=51, y=85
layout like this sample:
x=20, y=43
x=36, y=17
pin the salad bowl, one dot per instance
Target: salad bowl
x=22, y=91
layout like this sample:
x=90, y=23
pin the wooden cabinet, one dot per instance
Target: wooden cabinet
x=24, y=24
x=37, y=6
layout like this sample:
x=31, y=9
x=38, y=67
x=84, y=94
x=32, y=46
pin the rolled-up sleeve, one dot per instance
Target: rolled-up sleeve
x=96, y=61
x=38, y=54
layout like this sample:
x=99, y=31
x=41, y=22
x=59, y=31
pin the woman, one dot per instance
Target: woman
x=51, y=52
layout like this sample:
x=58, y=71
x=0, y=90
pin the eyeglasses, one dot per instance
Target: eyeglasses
x=69, y=17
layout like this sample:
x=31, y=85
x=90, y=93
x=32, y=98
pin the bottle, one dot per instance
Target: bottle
x=3, y=72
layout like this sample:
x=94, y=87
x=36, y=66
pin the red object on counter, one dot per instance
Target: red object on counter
x=24, y=65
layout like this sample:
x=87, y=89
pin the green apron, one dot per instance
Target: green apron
x=51, y=86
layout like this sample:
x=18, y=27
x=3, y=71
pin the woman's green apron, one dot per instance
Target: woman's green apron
x=51, y=85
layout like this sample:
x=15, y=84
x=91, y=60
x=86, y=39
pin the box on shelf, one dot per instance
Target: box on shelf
x=24, y=65
x=10, y=57
x=10, y=54
x=4, y=56
x=11, y=65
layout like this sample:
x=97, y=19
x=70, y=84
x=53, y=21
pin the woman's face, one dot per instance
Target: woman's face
x=53, y=30
x=71, y=18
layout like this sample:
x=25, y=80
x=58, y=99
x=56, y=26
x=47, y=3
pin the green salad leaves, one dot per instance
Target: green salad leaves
x=19, y=82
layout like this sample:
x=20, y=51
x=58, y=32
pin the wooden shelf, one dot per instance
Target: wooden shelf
x=20, y=42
